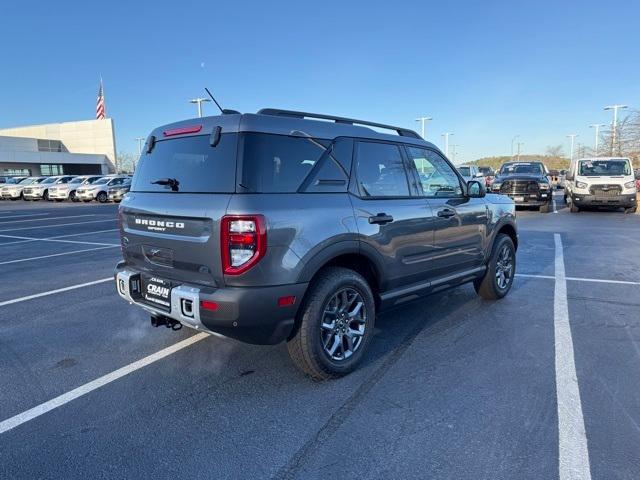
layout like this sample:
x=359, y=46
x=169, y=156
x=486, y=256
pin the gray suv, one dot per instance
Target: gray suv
x=297, y=227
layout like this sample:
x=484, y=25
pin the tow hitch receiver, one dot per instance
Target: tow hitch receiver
x=158, y=320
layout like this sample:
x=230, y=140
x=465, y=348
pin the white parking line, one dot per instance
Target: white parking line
x=51, y=239
x=56, y=255
x=53, y=292
x=48, y=218
x=54, y=403
x=572, y=441
x=32, y=239
x=58, y=225
x=25, y=216
x=579, y=279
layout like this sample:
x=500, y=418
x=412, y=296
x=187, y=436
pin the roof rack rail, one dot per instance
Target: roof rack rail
x=404, y=132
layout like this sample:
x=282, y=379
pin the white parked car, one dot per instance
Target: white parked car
x=472, y=172
x=64, y=191
x=99, y=190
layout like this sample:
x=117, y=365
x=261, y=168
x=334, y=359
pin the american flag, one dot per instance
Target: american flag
x=100, y=110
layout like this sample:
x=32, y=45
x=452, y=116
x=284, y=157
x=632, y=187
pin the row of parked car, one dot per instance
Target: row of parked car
x=589, y=182
x=76, y=188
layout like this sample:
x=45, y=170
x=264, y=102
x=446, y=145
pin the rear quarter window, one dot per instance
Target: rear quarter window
x=192, y=161
x=278, y=163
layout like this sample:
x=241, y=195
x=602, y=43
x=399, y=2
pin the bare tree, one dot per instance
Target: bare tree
x=555, y=151
x=127, y=162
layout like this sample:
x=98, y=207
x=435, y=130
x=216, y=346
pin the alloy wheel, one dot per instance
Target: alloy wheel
x=343, y=324
x=504, y=267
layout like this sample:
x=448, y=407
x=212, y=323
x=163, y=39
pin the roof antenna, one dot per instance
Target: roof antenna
x=224, y=111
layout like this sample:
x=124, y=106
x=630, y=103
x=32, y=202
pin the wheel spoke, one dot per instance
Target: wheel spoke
x=352, y=332
x=356, y=310
x=328, y=326
x=336, y=341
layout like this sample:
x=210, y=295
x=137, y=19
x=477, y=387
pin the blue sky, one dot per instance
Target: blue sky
x=484, y=70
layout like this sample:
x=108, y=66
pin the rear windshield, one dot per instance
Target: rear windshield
x=192, y=162
x=464, y=171
x=278, y=163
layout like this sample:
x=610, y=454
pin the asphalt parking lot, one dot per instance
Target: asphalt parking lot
x=543, y=384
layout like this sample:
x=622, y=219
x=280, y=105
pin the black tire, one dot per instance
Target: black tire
x=45, y=196
x=306, y=347
x=544, y=208
x=488, y=286
x=102, y=197
x=574, y=208
x=72, y=196
x=630, y=210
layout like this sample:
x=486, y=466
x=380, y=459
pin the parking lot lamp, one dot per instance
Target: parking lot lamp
x=614, y=125
x=519, y=145
x=140, y=141
x=513, y=140
x=572, y=136
x=597, y=128
x=446, y=136
x=423, y=123
x=199, y=101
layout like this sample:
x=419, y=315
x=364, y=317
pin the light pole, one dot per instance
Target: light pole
x=614, y=125
x=597, y=127
x=199, y=101
x=519, y=145
x=513, y=140
x=140, y=141
x=572, y=136
x=454, y=153
x=446, y=136
x=423, y=121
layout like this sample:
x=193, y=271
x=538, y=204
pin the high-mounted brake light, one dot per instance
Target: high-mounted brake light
x=243, y=242
x=182, y=130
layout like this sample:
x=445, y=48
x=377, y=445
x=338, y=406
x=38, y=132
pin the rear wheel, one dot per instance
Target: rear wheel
x=45, y=196
x=72, y=197
x=630, y=210
x=501, y=269
x=335, y=324
x=102, y=197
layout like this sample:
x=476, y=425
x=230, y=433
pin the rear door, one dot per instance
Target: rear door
x=394, y=226
x=171, y=217
x=460, y=222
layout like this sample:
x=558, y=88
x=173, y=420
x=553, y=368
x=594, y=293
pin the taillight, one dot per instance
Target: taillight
x=243, y=242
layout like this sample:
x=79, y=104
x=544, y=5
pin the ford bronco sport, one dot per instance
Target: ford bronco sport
x=298, y=227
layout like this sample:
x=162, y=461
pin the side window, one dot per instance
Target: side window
x=437, y=177
x=380, y=170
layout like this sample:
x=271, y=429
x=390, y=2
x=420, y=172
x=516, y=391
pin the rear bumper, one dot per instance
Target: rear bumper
x=250, y=315
x=626, y=201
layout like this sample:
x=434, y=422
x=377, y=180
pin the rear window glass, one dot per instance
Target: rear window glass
x=278, y=163
x=192, y=162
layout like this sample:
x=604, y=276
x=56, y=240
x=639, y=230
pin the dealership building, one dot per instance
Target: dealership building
x=83, y=147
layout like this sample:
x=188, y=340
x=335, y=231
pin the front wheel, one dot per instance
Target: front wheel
x=630, y=210
x=501, y=270
x=544, y=208
x=102, y=197
x=574, y=208
x=335, y=324
x=72, y=197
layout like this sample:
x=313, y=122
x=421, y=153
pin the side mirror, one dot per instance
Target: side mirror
x=475, y=189
x=638, y=175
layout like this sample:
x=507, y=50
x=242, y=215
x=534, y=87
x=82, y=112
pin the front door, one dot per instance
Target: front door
x=460, y=221
x=395, y=227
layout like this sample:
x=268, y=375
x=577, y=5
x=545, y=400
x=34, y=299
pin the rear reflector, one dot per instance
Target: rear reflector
x=207, y=305
x=182, y=130
x=286, y=301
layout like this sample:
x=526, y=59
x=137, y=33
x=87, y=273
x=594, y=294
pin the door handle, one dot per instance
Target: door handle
x=446, y=213
x=381, y=219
